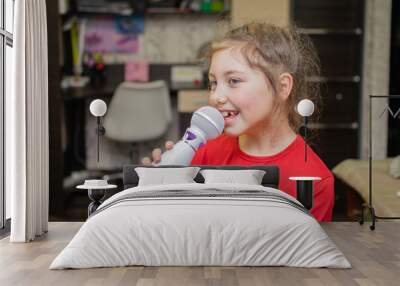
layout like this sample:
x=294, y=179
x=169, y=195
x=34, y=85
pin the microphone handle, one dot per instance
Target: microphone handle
x=181, y=154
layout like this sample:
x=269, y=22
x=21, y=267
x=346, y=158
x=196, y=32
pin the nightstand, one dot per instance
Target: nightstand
x=96, y=192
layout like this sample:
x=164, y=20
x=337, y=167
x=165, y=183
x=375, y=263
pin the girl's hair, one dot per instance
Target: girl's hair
x=275, y=50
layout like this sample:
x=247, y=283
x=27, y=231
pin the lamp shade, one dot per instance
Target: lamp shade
x=98, y=107
x=305, y=107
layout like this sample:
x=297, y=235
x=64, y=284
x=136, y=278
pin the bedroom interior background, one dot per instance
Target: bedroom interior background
x=345, y=84
x=373, y=10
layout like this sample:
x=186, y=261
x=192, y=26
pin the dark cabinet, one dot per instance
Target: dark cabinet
x=340, y=103
x=332, y=14
x=340, y=53
x=336, y=29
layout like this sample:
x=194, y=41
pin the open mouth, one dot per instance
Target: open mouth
x=229, y=114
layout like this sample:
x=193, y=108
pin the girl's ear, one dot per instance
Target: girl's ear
x=286, y=85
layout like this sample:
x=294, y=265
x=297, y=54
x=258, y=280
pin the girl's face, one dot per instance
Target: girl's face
x=242, y=94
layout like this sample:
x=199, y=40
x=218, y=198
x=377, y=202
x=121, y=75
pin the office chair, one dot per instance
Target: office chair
x=138, y=113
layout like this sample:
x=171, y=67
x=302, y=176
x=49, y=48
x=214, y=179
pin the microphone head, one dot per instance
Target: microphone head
x=305, y=107
x=209, y=120
x=98, y=107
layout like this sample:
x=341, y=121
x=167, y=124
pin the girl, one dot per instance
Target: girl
x=257, y=76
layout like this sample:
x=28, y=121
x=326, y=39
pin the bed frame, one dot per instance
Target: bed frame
x=270, y=179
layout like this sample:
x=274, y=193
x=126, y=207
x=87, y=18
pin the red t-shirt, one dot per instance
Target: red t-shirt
x=225, y=150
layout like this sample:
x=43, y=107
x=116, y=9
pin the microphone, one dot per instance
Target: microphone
x=98, y=108
x=207, y=123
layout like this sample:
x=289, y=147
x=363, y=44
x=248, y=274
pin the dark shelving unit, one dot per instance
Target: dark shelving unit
x=336, y=29
x=394, y=130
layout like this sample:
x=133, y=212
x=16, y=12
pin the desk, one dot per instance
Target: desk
x=114, y=75
x=89, y=92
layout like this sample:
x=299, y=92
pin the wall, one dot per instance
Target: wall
x=176, y=38
x=272, y=11
x=376, y=61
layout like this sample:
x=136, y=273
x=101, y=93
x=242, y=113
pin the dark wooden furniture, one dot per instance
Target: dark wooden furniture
x=56, y=194
x=336, y=28
x=394, y=130
x=114, y=75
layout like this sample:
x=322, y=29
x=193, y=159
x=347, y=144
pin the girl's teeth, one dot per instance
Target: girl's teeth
x=226, y=114
x=229, y=113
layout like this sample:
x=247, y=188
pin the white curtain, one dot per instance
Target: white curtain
x=27, y=148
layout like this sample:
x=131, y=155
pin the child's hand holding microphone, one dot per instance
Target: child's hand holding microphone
x=156, y=154
x=207, y=123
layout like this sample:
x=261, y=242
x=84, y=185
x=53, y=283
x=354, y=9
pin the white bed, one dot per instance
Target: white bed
x=221, y=225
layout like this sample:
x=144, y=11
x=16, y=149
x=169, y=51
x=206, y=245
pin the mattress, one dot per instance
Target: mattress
x=201, y=225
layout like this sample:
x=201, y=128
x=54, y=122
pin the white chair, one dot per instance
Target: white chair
x=138, y=113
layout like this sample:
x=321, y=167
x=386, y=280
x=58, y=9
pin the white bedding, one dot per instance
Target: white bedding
x=183, y=231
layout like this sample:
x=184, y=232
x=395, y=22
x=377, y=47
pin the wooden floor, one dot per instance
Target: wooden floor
x=375, y=256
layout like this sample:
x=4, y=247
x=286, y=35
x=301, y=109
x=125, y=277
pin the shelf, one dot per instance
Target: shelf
x=182, y=11
x=322, y=31
x=151, y=11
x=337, y=79
x=349, y=126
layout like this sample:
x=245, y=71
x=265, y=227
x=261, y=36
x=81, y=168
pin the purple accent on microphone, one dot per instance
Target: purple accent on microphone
x=201, y=145
x=190, y=136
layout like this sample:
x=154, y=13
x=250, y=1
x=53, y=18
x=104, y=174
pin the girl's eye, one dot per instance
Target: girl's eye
x=233, y=81
x=212, y=84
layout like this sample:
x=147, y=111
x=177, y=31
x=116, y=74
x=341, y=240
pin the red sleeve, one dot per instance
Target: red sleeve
x=199, y=157
x=324, y=196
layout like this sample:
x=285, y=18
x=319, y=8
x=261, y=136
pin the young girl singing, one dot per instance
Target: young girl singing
x=258, y=73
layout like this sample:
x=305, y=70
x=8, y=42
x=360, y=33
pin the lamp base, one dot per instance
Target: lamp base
x=305, y=190
x=371, y=210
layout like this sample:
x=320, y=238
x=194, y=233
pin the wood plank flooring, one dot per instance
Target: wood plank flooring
x=374, y=255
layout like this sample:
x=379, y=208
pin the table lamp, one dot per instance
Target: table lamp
x=305, y=108
x=98, y=108
x=305, y=185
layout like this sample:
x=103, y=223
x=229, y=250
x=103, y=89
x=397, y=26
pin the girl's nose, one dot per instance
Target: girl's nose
x=222, y=99
x=219, y=96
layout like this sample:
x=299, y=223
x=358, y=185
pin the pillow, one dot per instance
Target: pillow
x=395, y=167
x=249, y=177
x=162, y=176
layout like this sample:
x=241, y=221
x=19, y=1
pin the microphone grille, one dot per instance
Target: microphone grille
x=209, y=120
